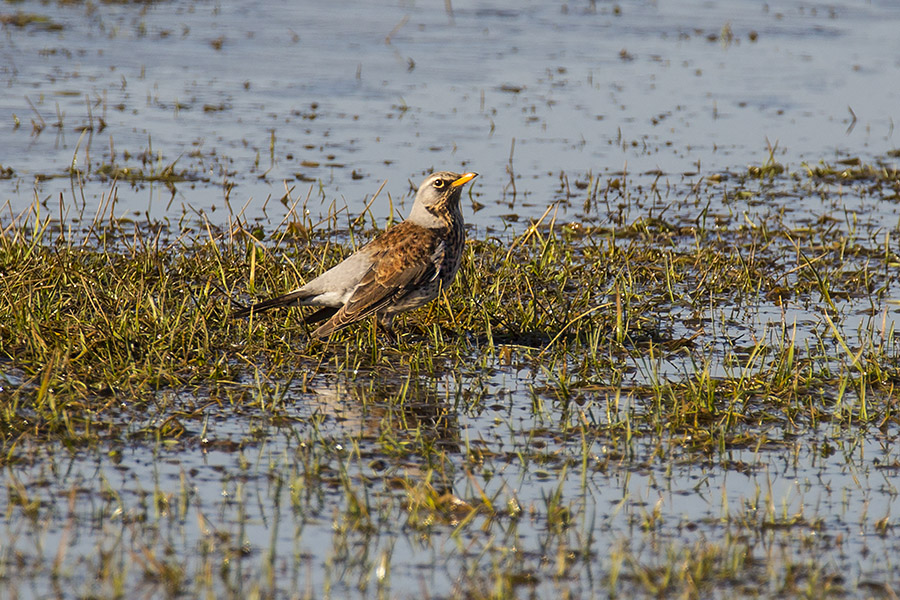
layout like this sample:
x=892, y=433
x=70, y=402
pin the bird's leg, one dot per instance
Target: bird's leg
x=385, y=323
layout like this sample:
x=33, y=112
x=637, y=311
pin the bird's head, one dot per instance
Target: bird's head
x=438, y=195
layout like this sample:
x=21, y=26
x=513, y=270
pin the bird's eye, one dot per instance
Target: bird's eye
x=438, y=184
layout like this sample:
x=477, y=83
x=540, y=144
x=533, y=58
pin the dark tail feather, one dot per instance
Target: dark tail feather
x=326, y=312
x=285, y=300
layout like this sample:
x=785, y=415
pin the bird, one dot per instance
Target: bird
x=401, y=269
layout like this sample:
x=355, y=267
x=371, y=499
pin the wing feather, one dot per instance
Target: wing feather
x=404, y=259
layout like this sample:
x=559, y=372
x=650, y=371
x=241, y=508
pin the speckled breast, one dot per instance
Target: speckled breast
x=453, y=253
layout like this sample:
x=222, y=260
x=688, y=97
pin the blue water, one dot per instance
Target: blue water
x=361, y=93
x=247, y=499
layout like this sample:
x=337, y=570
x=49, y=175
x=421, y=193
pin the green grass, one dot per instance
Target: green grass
x=89, y=314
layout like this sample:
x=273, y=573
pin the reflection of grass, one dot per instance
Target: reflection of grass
x=639, y=345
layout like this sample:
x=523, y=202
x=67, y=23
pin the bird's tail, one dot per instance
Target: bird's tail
x=295, y=297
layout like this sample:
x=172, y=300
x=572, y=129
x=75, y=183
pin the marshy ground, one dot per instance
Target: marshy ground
x=659, y=407
x=671, y=378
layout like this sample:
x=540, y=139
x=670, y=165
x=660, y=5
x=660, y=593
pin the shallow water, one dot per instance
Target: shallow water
x=236, y=501
x=324, y=102
x=269, y=96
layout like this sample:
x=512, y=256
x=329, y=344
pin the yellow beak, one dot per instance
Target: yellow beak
x=464, y=179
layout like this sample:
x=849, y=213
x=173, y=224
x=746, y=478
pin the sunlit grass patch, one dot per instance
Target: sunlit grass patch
x=96, y=312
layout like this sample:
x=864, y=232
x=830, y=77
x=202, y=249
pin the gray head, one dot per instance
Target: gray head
x=437, y=198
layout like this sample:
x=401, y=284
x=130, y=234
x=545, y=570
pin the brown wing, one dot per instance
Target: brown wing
x=403, y=260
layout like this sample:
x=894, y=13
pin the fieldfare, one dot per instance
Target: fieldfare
x=403, y=268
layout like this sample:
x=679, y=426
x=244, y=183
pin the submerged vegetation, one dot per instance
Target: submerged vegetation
x=592, y=353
